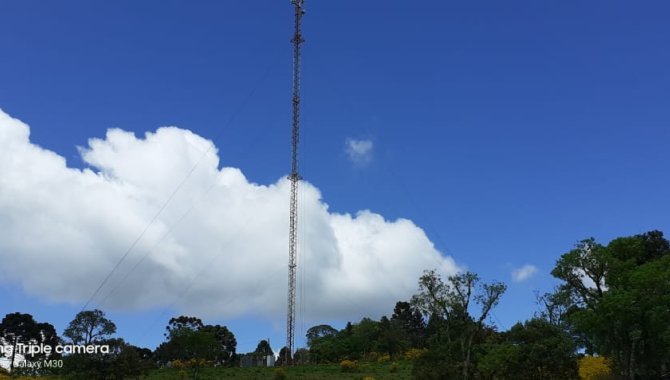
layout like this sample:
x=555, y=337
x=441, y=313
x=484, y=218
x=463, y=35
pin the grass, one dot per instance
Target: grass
x=365, y=371
x=374, y=371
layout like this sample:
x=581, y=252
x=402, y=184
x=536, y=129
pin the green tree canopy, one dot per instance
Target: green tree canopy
x=181, y=323
x=451, y=302
x=227, y=342
x=620, y=301
x=19, y=328
x=263, y=348
x=89, y=326
x=284, y=357
x=124, y=361
x=185, y=344
x=533, y=350
x=409, y=321
x=189, y=338
x=320, y=331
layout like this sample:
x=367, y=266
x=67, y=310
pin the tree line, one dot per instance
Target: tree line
x=611, y=308
x=608, y=318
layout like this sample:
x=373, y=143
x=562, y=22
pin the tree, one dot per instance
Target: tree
x=318, y=332
x=284, y=357
x=89, y=326
x=330, y=348
x=263, y=349
x=18, y=328
x=46, y=335
x=537, y=341
x=621, y=301
x=363, y=338
x=183, y=322
x=451, y=300
x=227, y=342
x=132, y=362
x=555, y=306
x=124, y=361
x=409, y=321
x=352, y=342
x=534, y=350
x=355, y=340
x=186, y=344
x=392, y=339
x=189, y=338
x=301, y=356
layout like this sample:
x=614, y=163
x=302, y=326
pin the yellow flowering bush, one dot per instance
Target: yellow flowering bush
x=594, y=368
x=414, y=353
x=348, y=366
x=384, y=359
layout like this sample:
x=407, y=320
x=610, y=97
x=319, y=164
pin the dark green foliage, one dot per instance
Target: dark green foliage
x=133, y=362
x=188, y=338
x=284, y=357
x=524, y=354
x=624, y=314
x=457, y=332
x=19, y=328
x=188, y=344
x=301, y=356
x=182, y=323
x=438, y=364
x=227, y=343
x=614, y=301
x=555, y=306
x=263, y=349
x=330, y=348
x=405, y=330
x=88, y=327
x=363, y=338
x=394, y=367
x=307, y=372
x=353, y=342
x=320, y=331
x=123, y=362
x=279, y=374
x=392, y=340
x=408, y=320
x=436, y=329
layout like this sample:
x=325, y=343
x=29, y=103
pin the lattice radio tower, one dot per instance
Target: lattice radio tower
x=294, y=177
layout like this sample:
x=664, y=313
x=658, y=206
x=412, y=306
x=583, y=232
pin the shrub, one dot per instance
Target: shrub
x=183, y=375
x=394, y=367
x=195, y=363
x=279, y=374
x=594, y=368
x=436, y=365
x=414, y=353
x=384, y=359
x=348, y=366
x=372, y=356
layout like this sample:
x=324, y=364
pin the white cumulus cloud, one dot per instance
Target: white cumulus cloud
x=524, y=273
x=219, y=247
x=359, y=151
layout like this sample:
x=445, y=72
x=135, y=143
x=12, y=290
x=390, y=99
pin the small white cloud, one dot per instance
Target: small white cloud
x=359, y=151
x=524, y=273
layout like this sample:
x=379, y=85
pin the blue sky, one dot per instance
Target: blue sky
x=506, y=131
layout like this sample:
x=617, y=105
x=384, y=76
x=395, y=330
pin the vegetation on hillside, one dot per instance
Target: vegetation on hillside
x=607, y=319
